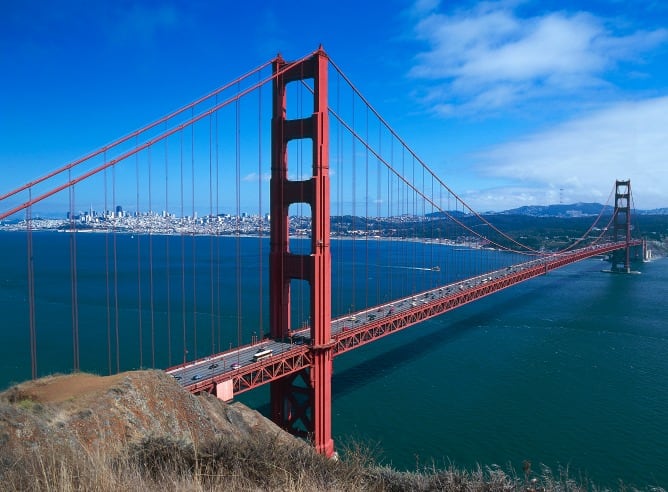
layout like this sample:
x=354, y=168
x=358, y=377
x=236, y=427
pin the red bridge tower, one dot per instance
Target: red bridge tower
x=301, y=403
x=621, y=258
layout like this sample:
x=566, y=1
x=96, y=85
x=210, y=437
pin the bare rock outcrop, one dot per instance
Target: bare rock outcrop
x=106, y=414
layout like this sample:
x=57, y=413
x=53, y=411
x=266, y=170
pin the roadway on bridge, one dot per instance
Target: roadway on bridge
x=238, y=360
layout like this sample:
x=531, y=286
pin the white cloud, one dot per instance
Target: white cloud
x=584, y=157
x=489, y=57
x=255, y=177
x=425, y=6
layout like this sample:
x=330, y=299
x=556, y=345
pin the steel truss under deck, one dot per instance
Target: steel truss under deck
x=300, y=357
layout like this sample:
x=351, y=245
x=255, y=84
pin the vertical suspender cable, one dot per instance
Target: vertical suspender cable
x=470, y=270
x=183, y=257
x=115, y=270
x=439, y=234
x=260, y=221
x=339, y=195
x=139, y=300
x=366, y=212
x=106, y=272
x=482, y=254
x=391, y=245
x=425, y=244
x=73, y=274
x=448, y=236
x=167, y=262
x=31, y=290
x=150, y=258
x=402, y=193
x=218, y=289
x=354, y=212
x=412, y=213
x=432, y=236
x=237, y=144
x=210, y=224
x=194, y=232
x=379, y=187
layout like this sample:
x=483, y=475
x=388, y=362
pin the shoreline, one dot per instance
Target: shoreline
x=659, y=248
x=126, y=232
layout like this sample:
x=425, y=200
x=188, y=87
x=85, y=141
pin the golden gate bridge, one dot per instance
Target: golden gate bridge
x=275, y=158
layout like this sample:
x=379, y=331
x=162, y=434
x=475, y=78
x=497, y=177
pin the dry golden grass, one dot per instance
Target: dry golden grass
x=259, y=463
x=47, y=443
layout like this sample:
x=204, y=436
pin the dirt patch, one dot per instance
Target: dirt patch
x=105, y=413
x=57, y=389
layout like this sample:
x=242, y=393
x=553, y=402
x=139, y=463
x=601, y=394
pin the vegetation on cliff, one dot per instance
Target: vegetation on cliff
x=142, y=431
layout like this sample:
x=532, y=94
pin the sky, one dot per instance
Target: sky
x=511, y=103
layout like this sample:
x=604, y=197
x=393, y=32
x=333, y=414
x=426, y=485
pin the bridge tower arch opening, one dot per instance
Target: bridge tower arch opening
x=301, y=402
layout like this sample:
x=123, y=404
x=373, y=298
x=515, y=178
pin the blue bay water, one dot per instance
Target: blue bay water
x=568, y=369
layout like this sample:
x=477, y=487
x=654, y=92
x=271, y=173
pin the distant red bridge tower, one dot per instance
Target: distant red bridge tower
x=301, y=402
x=621, y=258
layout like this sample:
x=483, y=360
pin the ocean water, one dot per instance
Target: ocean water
x=569, y=369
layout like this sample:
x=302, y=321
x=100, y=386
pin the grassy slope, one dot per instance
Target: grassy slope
x=141, y=431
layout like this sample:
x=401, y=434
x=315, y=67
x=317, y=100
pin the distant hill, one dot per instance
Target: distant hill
x=561, y=210
x=656, y=211
x=450, y=213
x=571, y=210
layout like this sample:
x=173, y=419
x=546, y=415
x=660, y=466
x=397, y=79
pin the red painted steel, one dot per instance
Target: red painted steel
x=301, y=403
x=254, y=375
x=294, y=360
x=369, y=332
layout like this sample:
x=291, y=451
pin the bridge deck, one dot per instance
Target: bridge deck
x=351, y=331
